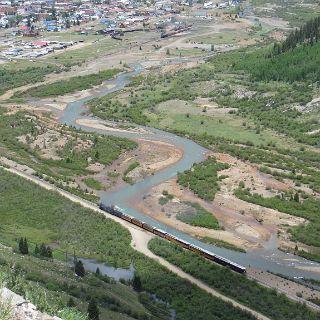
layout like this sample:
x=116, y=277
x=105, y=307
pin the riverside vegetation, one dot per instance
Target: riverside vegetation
x=44, y=216
x=246, y=291
x=202, y=178
x=267, y=115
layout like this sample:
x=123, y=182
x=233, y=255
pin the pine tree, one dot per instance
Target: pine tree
x=93, y=310
x=79, y=269
x=296, y=197
x=136, y=283
x=21, y=245
x=25, y=246
x=49, y=252
x=98, y=273
x=36, y=250
x=71, y=303
x=43, y=250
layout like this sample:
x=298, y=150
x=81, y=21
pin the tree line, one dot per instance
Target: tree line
x=308, y=33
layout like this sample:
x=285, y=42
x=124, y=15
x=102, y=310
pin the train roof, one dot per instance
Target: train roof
x=196, y=247
x=223, y=259
x=127, y=215
x=181, y=240
x=161, y=230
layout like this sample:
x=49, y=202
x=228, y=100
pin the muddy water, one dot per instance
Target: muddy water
x=269, y=259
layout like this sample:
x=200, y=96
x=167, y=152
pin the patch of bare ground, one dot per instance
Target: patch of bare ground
x=238, y=230
x=211, y=107
x=277, y=35
x=263, y=184
x=275, y=22
x=14, y=108
x=9, y=163
x=245, y=225
x=98, y=124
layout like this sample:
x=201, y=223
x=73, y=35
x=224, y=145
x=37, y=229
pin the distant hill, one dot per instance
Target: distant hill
x=297, y=58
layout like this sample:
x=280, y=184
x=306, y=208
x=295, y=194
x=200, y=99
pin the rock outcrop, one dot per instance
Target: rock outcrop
x=22, y=309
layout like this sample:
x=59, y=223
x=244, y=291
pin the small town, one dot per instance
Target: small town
x=27, y=27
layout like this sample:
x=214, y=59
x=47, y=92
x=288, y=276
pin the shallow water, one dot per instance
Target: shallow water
x=107, y=270
x=269, y=258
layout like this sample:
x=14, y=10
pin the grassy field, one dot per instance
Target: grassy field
x=87, y=52
x=71, y=85
x=50, y=221
x=200, y=218
x=93, y=184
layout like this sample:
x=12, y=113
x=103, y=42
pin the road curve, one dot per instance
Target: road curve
x=140, y=239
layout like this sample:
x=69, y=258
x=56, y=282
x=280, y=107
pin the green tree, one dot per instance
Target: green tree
x=36, y=250
x=71, y=303
x=49, y=252
x=136, y=283
x=43, y=250
x=93, y=310
x=23, y=246
x=79, y=269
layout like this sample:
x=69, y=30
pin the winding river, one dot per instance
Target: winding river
x=269, y=258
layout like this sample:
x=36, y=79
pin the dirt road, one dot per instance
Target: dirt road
x=140, y=239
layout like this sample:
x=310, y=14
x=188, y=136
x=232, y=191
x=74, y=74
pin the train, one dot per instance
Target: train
x=116, y=211
x=176, y=30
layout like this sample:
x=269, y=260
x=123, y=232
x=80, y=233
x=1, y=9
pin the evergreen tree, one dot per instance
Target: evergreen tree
x=93, y=310
x=36, y=250
x=98, y=273
x=21, y=245
x=296, y=197
x=136, y=283
x=79, y=269
x=25, y=246
x=71, y=303
x=43, y=250
x=49, y=252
